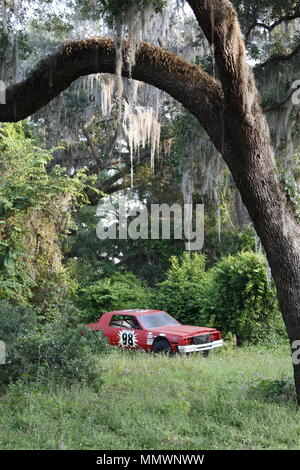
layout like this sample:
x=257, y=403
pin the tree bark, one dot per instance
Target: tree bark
x=187, y=83
x=230, y=112
x=242, y=216
x=248, y=152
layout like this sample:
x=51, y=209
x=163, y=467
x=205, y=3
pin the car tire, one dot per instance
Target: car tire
x=205, y=353
x=162, y=346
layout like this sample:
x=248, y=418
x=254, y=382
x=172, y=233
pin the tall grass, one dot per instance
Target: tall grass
x=235, y=399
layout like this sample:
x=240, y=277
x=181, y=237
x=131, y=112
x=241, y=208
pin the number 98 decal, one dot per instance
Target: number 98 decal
x=127, y=338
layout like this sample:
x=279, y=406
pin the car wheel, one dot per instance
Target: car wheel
x=162, y=346
x=205, y=353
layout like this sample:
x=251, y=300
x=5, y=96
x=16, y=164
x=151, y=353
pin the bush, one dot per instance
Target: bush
x=233, y=296
x=238, y=299
x=70, y=353
x=181, y=293
x=121, y=291
x=58, y=351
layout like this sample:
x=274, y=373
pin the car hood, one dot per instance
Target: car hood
x=182, y=330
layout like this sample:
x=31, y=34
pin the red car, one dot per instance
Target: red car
x=156, y=331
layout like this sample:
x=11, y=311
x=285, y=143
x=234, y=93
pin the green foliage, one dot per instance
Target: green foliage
x=121, y=291
x=237, y=240
x=238, y=299
x=181, y=293
x=24, y=179
x=186, y=129
x=52, y=295
x=61, y=351
x=233, y=296
x=34, y=206
x=85, y=251
x=265, y=13
x=112, y=9
x=115, y=7
x=186, y=268
x=292, y=189
x=91, y=259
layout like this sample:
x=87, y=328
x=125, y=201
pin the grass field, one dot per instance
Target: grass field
x=235, y=399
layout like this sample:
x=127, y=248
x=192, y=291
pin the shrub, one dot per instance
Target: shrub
x=238, y=299
x=57, y=351
x=69, y=353
x=181, y=293
x=121, y=291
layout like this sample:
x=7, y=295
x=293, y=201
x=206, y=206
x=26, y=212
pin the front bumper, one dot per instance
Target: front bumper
x=200, y=347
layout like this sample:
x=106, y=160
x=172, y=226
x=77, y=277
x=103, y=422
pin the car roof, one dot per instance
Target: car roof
x=133, y=312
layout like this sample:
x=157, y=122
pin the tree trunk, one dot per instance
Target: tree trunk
x=242, y=216
x=275, y=225
x=248, y=152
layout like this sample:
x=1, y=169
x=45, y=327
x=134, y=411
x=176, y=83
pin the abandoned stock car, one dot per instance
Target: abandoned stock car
x=156, y=331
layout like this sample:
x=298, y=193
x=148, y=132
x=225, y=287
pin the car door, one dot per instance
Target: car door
x=125, y=331
x=113, y=328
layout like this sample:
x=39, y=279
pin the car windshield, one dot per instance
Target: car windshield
x=157, y=320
